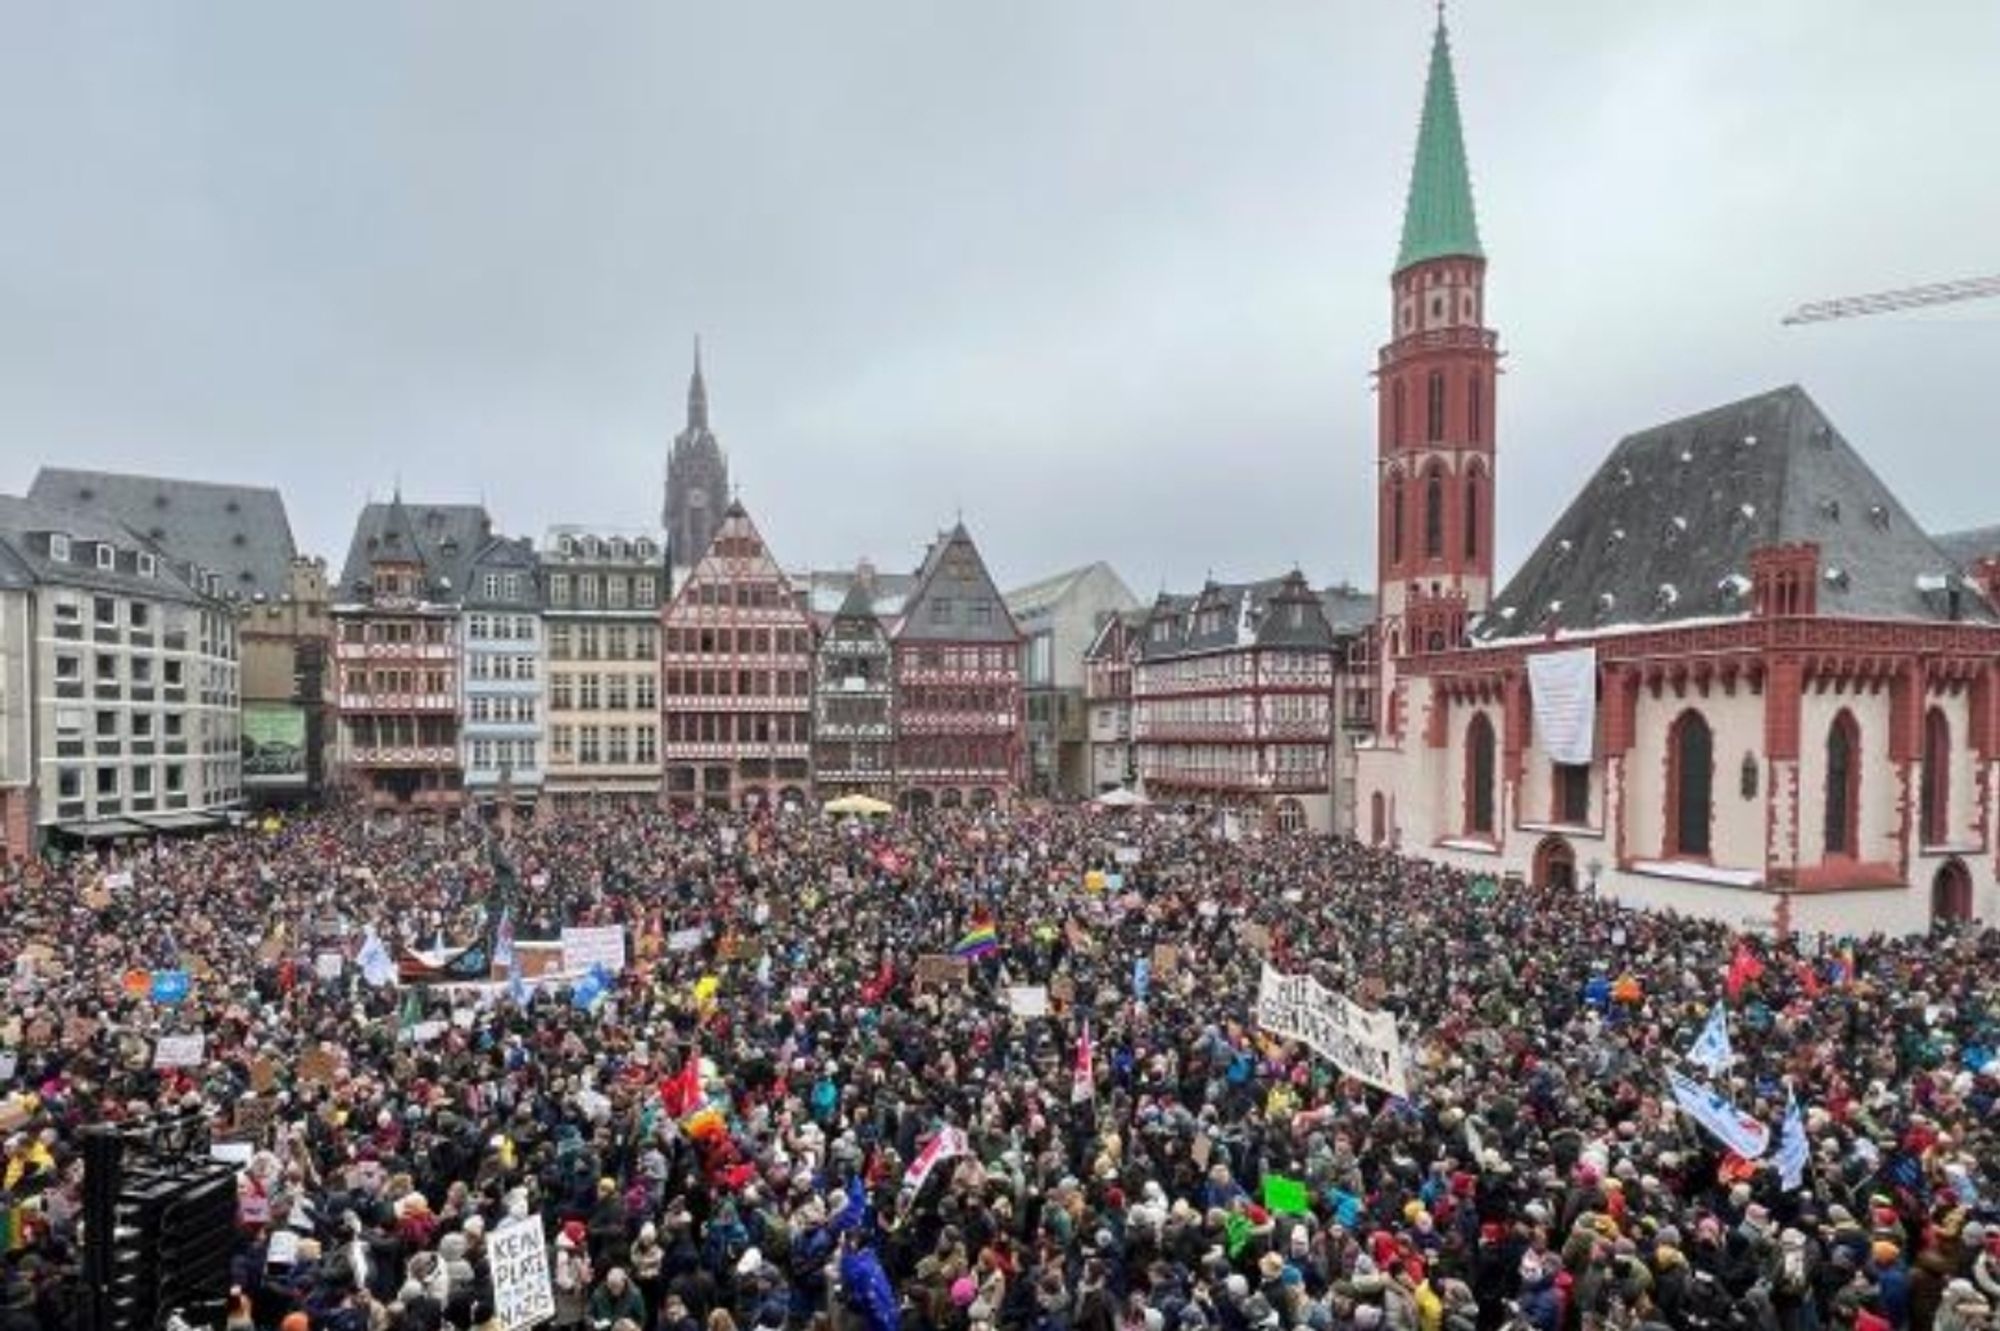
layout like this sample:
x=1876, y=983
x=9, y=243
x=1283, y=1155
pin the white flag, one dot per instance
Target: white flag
x=1740, y=1132
x=1711, y=1048
x=1793, y=1152
x=948, y=1143
x=377, y=966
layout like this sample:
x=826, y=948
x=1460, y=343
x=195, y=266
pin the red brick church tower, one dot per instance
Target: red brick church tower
x=1436, y=381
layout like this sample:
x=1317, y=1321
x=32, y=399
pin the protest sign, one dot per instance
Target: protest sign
x=320, y=1066
x=1255, y=937
x=1361, y=1044
x=231, y=1153
x=1166, y=957
x=517, y=1254
x=96, y=898
x=686, y=940
x=934, y=971
x=1127, y=855
x=263, y=1076
x=9, y=1061
x=171, y=986
x=179, y=1051
x=328, y=965
x=585, y=949
x=120, y=881
x=252, y=1116
x=1028, y=1000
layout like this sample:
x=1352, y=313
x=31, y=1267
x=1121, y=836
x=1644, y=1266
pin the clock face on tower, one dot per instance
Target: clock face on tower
x=697, y=498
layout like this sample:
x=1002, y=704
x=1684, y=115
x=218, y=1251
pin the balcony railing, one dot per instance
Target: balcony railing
x=433, y=755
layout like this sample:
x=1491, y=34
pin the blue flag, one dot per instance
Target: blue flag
x=1711, y=1048
x=1142, y=978
x=171, y=986
x=1793, y=1152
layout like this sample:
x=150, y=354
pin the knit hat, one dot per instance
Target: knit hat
x=1883, y=1252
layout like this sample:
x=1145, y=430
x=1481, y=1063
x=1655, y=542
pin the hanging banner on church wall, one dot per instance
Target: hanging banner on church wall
x=1563, y=687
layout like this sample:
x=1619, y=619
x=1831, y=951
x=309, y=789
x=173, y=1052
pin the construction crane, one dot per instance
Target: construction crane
x=1909, y=298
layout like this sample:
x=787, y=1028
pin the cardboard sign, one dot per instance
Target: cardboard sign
x=936, y=971
x=1255, y=937
x=263, y=1076
x=319, y=1066
x=1166, y=958
x=79, y=1031
x=180, y=1051
x=517, y=1254
x=1201, y=1150
x=96, y=898
x=1062, y=993
x=272, y=948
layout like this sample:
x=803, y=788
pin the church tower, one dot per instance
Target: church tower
x=1435, y=388
x=697, y=480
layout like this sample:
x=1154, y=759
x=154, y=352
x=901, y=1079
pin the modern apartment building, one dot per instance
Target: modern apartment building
x=1059, y=617
x=119, y=684
x=603, y=590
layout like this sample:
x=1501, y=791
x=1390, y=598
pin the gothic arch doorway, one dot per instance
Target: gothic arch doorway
x=1555, y=864
x=1951, y=893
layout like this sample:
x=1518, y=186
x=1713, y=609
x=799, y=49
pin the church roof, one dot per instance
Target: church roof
x=1967, y=548
x=238, y=532
x=1438, y=220
x=1664, y=531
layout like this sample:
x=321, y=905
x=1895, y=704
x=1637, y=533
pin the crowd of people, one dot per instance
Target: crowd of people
x=786, y=1111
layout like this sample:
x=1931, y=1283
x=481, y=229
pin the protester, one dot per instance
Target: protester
x=793, y=1108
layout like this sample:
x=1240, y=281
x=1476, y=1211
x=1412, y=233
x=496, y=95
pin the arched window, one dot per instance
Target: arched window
x=1397, y=411
x=1843, y=784
x=1475, y=408
x=1434, y=514
x=1471, y=517
x=1434, y=407
x=1479, y=775
x=1690, y=784
x=1936, y=791
x=1396, y=511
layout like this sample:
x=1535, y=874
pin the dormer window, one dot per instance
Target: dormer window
x=107, y=556
x=59, y=547
x=148, y=565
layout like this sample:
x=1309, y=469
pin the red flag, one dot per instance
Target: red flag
x=681, y=1093
x=1743, y=968
x=1808, y=980
x=1083, y=1085
x=877, y=988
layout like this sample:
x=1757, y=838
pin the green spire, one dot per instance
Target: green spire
x=1438, y=219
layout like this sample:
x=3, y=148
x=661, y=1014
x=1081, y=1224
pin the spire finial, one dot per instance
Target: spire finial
x=697, y=393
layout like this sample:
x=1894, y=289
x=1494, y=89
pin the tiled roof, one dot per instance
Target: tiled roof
x=444, y=538
x=1238, y=615
x=1664, y=530
x=25, y=560
x=239, y=532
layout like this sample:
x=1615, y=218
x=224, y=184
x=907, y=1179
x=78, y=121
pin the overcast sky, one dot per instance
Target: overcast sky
x=1106, y=274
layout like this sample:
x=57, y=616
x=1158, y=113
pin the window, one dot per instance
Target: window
x=139, y=615
x=107, y=556
x=106, y=610
x=941, y=610
x=616, y=692
x=615, y=638
x=560, y=697
x=982, y=613
x=1690, y=785
x=646, y=693
x=559, y=642
x=616, y=593
x=561, y=747
x=491, y=586
x=511, y=585
x=107, y=781
x=69, y=784
x=1472, y=488
x=587, y=745
x=59, y=547
x=69, y=667
x=1396, y=518
x=142, y=780
x=587, y=693
x=1396, y=413
x=1571, y=782
x=559, y=589
x=1434, y=514
x=1475, y=407
x=647, y=747
x=1479, y=769
x=1843, y=785
x=148, y=565
x=1935, y=795
x=586, y=591
x=1434, y=407
x=645, y=591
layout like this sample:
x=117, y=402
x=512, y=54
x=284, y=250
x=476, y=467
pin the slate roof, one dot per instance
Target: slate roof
x=953, y=572
x=239, y=532
x=25, y=560
x=827, y=590
x=1663, y=532
x=1966, y=548
x=1251, y=614
x=502, y=554
x=1349, y=610
x=444, y=538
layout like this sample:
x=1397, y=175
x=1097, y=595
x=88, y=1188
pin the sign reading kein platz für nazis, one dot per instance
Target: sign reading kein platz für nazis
x=1362, y=1044
x=518, y=1254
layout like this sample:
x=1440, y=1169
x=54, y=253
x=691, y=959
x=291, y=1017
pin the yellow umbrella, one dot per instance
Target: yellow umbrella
x=863, y=804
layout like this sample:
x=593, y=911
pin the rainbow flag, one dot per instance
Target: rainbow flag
x=981, y=940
